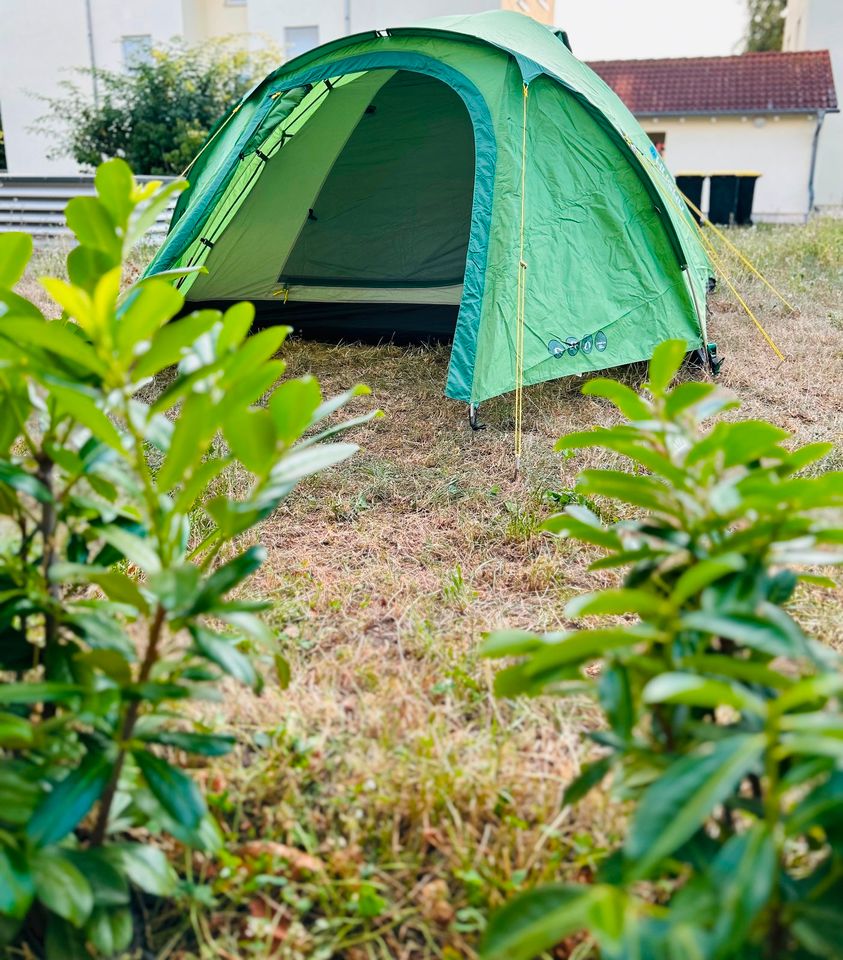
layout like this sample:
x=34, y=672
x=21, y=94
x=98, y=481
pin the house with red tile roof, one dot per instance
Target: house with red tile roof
x=755, y=120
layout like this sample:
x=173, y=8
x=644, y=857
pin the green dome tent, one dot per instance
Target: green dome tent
x=465, y=178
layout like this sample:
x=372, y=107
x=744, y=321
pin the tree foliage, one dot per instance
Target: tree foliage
x=123, y=552
x=765, y=26
x=157, y=114
x=723, y=727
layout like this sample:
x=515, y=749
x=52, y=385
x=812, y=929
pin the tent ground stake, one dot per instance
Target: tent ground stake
x=473, y=410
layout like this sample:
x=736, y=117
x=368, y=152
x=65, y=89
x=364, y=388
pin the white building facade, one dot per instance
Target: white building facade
x=818, y=25
x=755, y=115
x=44, y=42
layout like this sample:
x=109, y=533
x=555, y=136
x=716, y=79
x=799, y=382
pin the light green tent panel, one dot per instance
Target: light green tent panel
x=374, y=185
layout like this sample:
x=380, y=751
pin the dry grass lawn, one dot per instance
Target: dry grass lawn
x=412, y=800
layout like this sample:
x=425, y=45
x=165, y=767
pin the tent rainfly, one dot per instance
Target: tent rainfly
x=467, y=178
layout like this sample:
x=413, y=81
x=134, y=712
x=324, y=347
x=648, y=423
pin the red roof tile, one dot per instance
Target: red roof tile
x=775, y=82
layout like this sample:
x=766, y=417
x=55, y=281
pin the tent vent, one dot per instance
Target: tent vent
x=563, y=36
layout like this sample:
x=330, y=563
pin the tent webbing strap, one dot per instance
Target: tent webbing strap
x=264, y=158
x=211, y=139
x=521, y=298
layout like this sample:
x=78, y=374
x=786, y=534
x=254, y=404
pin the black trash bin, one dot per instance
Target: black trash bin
x=746, y=196
x=690, y=185
x=723, y=199
x=731, y=198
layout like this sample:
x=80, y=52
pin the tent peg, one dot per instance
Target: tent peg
x=473, y=410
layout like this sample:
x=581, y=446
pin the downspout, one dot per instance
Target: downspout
x=89, y=17
x=814, y=150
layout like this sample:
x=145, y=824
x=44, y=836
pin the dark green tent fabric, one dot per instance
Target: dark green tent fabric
x=382, y=174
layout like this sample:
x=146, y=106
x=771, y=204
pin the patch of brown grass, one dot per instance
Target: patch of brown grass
x=388, y=758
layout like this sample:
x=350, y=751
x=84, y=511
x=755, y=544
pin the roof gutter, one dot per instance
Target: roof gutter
x=813, y=169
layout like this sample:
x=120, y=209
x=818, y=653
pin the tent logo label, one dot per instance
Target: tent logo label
x=570, y=345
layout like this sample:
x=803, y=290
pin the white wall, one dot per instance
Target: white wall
x=270, y=17
x=818, y=25
x=780, y=150
x=42, y=42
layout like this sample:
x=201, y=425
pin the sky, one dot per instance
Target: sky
x=625, y=29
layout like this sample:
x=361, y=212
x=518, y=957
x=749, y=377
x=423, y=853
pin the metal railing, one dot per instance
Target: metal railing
x=36, y=204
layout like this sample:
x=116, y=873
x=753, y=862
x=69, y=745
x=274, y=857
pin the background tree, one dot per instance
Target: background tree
x=765, y=29
x=156, y=114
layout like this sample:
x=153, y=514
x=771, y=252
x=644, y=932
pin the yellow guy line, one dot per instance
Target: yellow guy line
x=521, y=299
x=718, y=263
x=737, y=252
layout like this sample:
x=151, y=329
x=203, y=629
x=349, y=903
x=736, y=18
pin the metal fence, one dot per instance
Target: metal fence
x=36, y=204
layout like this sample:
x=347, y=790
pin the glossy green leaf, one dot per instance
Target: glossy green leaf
x=283, y=671
x=85, y=410
x=148, y=308
x=38, y=692
x=17, y=887
x=510, y=643
x=535, y=922
x=758, y=632
x=115, y=185
x=15, y=732
x=583, y=646
x=146, y=866
x=63, y=339
x=685, y=395
x=226, y=577
x=171, y=342
x=590, y=776
x=62, y=887
x=110, y=931
x=614, y=603
x=175, y=791
x=697, y=577
x=15, y=251
x=697, y=691
x=224, y=654
x=137, y=550
x=677, y=804
x=640, y=491
x=665, y=363
x=203, y=744
x=253, y=439
x=90, y=220
x=69, y=801
x=293, y=406
x=195, y=428
x=108, y=883
x=630, y=404
x=19, y=479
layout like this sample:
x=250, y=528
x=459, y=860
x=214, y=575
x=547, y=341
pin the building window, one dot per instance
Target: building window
x=658, y=140
x=298, y=40
x=137, y=50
